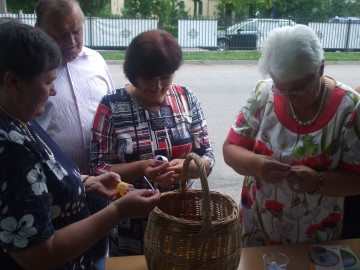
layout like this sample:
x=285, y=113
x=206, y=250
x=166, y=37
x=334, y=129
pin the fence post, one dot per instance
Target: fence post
x=90, y=32
x=346, y=49
x=3, y=9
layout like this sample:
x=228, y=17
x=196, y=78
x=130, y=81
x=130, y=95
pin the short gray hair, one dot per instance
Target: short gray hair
x=291, y=52
x=54, y=8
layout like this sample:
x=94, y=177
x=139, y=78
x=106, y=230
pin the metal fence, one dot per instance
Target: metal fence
x=209, y=34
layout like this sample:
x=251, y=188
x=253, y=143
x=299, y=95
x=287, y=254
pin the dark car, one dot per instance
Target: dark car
x=248, y=35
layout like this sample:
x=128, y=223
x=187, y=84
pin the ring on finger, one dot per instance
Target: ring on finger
x=296, y=186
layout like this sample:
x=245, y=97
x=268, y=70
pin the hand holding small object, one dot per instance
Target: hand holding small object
x=150, y=185
x=123, y=187
x=159, y=158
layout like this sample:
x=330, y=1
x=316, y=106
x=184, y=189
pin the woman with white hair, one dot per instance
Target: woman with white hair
x=296, y=141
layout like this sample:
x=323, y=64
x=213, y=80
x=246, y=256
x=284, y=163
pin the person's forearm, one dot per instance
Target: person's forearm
x=240, y=160
x=131, y=171
x=339, y=183
x=70, y=241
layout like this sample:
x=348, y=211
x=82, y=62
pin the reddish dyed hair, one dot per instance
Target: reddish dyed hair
x=150, y=54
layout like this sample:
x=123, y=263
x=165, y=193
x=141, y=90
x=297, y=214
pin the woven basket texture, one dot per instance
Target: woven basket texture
x=193, y=229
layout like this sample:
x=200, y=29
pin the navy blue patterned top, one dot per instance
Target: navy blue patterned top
x=40, y=193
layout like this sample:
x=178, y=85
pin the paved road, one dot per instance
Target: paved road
x=222, y=88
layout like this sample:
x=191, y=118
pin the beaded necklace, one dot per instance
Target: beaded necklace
x=309, y=122
x=27, y=131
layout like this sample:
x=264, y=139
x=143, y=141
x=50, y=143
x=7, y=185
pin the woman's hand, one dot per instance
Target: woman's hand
x=246, y=162
x=137, y=203
x=175, y=169
x=160, y=173
x=302, y=179
x=170, y=174
x=176, y=165
x=272, y=170
x=104, y=185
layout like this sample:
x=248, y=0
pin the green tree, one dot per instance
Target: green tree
x=93, y=7
x=137, y=9
x=345, y=8
x=294, y=9
x=153, y=9
x=166, y=11
x=24, y=6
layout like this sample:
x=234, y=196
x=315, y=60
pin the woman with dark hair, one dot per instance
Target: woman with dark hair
x=44, y=217
x=150, y=116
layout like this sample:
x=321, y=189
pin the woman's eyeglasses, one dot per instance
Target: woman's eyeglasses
x=297, y=90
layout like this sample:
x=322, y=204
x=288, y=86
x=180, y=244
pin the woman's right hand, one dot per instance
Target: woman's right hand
x=272, y=170
x=137, y=203
x=246, y=162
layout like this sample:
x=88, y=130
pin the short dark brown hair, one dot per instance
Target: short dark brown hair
x=26, y=51
x=150, y=54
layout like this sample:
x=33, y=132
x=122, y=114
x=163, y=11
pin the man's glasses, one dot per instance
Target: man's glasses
x=295, y=91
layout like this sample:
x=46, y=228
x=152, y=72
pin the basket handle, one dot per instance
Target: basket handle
x=205, y=188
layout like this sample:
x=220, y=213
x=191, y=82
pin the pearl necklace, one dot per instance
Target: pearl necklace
x=27, y=131
x=308, y=123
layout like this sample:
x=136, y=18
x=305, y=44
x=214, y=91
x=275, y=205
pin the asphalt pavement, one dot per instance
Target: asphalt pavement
x=222, y=87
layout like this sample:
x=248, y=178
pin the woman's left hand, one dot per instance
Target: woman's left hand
x=176, y=165
x=302, y=179
x=103, y=185
x=167, y=176
x=175, y=168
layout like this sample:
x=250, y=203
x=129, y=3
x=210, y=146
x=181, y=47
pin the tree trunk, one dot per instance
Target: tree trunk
x=3, y=9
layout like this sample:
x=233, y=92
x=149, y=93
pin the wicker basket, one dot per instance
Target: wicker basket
x=193, y=229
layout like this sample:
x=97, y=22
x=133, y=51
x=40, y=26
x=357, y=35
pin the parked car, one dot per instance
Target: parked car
x=337, y=19
x=248, y=35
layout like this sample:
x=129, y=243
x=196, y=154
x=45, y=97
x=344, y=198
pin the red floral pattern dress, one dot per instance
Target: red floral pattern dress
x=273, y=214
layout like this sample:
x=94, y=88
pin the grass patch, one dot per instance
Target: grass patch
x=234, y=55
x=342, y=56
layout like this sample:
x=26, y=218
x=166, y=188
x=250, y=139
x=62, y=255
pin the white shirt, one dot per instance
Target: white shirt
x=68, y=117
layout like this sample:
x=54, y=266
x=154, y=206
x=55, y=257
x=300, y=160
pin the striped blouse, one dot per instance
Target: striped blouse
x=123, y=131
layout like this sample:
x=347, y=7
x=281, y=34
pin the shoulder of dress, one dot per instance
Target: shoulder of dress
x=117, y=93
x=178, y=88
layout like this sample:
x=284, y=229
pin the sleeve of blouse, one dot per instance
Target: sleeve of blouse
x=351, y=140
x=247, y=122
x=103, y=140
x=25, y=212
x=199, y=130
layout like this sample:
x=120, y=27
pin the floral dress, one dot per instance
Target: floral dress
x=124, y=132
x=40, y=193
x=273, y=214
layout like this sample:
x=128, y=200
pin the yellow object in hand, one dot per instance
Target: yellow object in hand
x=123, y=188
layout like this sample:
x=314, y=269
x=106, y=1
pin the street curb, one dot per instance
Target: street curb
x=235, y=62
